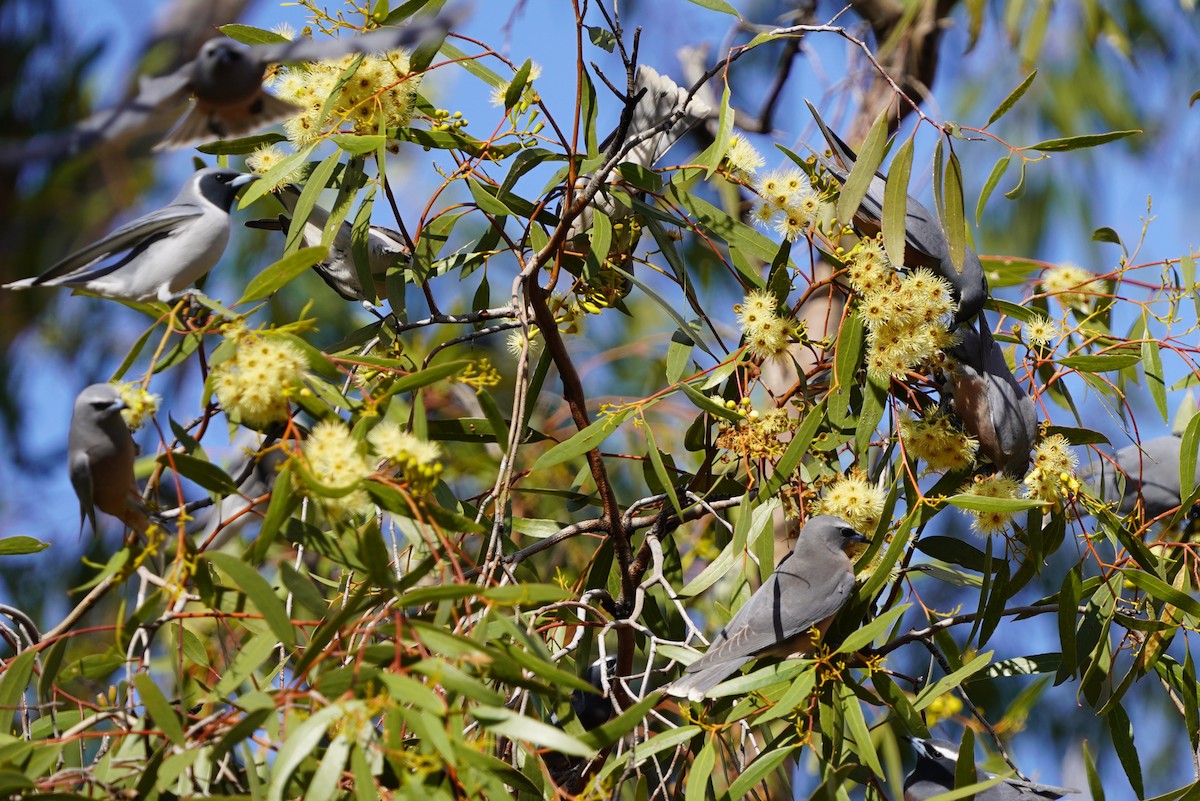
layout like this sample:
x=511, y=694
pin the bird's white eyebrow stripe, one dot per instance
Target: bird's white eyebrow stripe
x=944, y=751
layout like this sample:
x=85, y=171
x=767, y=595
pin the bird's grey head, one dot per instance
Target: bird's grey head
x=225, y=71
x=833, y=532
x=220, y=185
x=972, y=289
x=99, y=403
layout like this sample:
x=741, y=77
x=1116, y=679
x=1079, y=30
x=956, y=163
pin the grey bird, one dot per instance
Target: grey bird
x=225, y=85
x=993, y=407
x=593, y=709
x=934, y=775
x=660, y=98
x=385, y=249
x=100, y=457
x=925, y=242
x=255, y=473
x=165, y=251
x=806, y=590
x=1151, y=473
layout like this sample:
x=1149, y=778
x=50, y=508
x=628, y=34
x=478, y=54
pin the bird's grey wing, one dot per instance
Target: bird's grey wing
x=1014, y=789
x=127, y=236
x=376, y=41
x=801, y=592
x=1154, y=470
x=81, y=479
x=661, y=98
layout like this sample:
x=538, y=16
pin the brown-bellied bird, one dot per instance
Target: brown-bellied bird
x=806, y=590
x=925, y=242
x=100, y=456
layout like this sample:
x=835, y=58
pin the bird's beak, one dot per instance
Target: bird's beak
x=857, y=538
x=243, y=179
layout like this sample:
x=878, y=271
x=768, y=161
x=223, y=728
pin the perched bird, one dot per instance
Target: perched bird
x=591, y=709
x=806, y=590
x=934, y=775
x=1151, y=472
x=225, y=84
x=925, y=242
x=166, y=251
x=993, y=407
x=255, y=473
x=385, y=248
x=100, y=456
x=660, y=97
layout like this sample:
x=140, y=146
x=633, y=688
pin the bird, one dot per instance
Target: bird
x=993, y=407
x=1151, y=472
x=934, y=775
x=166, y=251
x=385, y=247
x=804, y=592
x=255, y=471
x=925, y=242
x=100, y=456
x=225, y=85
x=659, y=97
x=595, y=709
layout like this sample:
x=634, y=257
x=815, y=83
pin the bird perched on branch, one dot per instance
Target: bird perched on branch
x=804, y=592
x=1151, y=472
x=225, y=86
x=993, y=407
x=100, y=457
x=934, y=776
x=925, y=241
x=166, y=251
x=385, y=248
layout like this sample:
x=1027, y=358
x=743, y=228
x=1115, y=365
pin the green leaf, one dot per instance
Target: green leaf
x=258, y=592
x=1121, y=731
x=601, y=37
x=1011, y=100
x=787, y=464
x=869, y=159
x=1019, y=190
x=895, y=201
x=724, y=133
x=707, y=403
x=581, y=442
x=1078, y=142
x=317, y=181
x=980, y=503
x=1106, y=234
x=864, y=636
x=13, y=682
x=1153, y=370
x=301, y=743
x=702, y=766
x=956, y=678
x=717, y=5
x=160, y=711
x=508, y=723
x=240, y=147
x=660, y=469
x=955, y=221
x=848, y=351
x=894, y=697
x=1095, y=785
x=281, y=273
x=964, y=767
x=1100, y=363
x=358, y=144
x=20, y=545
x=1188, y=449
x=763, y=765
x=201, y=471
x=1162, y=591
x=249, y=35
x=989, y=185
x=516, y=87
x=273, y=176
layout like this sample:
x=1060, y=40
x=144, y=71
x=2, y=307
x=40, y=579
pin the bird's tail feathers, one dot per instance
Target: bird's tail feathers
x=24, y=283
x=695, y=685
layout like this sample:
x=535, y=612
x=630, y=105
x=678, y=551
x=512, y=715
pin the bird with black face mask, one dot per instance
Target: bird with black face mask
x=100, y=457
x=804, y=593
x=165, y=251
x=934, y=775
x=925, y=241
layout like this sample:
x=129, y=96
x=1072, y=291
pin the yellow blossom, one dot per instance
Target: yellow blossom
x=936, y=441
x=1040, y=331
x=416, y=459
x=252, y=385
x=139, y=404
x=998, y=486
x=1073, y=287
x=336, y=461
x=743, y=160
x=855, y=500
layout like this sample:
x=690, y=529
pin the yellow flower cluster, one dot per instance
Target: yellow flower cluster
x=997, y=486
x=416, y=459
x=252, y=385
x=1073, y=287
x=338, y=463
x=936, y=441
x=767, y=333
x=380, y=95
x=1053, y=472
x=529, y=95
x=266, y=157
x=139, y=405
x=944, y=707
x=789, y=204
x=855, y=500
x=742, y=159
x=1041, y=331
x=906, y=314
x=755, y=436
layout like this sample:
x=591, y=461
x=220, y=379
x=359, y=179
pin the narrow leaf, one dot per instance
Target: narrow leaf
x=989, y=185
x=1079, y=142
x=955, y=221
x=869, y=159
x=895, y=201
x=280, y=273
x=1010, y=101
x=259, y=593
